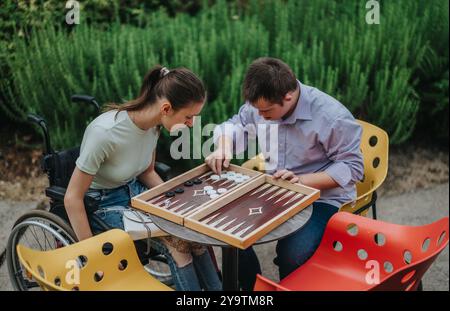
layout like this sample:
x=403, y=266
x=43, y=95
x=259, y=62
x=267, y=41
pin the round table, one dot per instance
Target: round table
x=230, y=253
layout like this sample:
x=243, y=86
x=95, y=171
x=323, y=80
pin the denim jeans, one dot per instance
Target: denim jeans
x=292, y=251
x=199, y=274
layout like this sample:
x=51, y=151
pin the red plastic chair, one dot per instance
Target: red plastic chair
x=352, y=249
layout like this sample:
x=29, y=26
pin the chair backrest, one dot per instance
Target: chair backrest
x=402, y=253
x=375, y=150
x=256, y=163
x=98, y=261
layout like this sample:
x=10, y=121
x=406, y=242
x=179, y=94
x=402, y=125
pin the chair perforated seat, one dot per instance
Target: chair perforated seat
x=107, y=261
x=359, y=254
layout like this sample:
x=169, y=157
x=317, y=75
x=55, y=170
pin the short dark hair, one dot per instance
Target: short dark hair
x=269, y=79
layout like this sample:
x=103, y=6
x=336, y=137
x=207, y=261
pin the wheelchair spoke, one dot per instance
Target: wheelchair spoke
x=46, y=240
x=35, y=236
x=26, y=238
x=45, y=243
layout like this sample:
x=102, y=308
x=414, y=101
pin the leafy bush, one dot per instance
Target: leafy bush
x=380, y=72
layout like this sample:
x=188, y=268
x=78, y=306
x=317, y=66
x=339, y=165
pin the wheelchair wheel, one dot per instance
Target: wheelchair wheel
x=40, y=230
x=159, y=268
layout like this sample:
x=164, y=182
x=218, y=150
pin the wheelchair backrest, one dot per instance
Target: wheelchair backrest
x=59, y=166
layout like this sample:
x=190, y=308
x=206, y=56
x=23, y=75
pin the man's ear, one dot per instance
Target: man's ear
x=166, y=107
x=288, y=97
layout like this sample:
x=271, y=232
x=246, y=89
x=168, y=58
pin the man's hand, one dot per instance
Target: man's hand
x=221, y=158
x=287, y=175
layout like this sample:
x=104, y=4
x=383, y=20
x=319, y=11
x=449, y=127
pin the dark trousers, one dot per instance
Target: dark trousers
x=292, y=251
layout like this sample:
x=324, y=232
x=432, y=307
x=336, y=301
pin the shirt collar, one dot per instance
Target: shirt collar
x=303, y=107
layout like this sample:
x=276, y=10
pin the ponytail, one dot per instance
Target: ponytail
x=179, y=86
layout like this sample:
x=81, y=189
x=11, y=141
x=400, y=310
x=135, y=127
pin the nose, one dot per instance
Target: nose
x=265, y=115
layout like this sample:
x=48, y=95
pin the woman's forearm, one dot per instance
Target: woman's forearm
x=150, y=179
x=78, y=217
x=73, y=202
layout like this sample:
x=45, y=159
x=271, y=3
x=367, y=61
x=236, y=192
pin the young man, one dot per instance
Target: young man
x=318, y=146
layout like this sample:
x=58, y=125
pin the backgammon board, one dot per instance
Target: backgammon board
x=185, y=194
x=242, y=217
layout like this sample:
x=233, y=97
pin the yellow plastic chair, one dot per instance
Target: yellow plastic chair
x=257, y=163
x=375, y=150
x=107, y=261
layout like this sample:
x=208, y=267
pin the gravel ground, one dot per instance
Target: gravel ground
x=417, y=208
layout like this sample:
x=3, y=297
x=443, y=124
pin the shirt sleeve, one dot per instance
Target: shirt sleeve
x=96, y=147
x=341, y=140
x=239, y=128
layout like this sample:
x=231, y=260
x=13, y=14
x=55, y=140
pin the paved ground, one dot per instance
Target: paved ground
x=421, y=207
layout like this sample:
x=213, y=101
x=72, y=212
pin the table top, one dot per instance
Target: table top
x=287, y=228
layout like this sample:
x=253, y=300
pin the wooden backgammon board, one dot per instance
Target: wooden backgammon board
x=238, y=207
x=244, y=216
x=183, y=195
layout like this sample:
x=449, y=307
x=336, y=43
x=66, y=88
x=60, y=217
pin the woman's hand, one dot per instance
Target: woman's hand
x=287, y=175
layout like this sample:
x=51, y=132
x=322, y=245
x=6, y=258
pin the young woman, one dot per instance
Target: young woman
x=116, y=162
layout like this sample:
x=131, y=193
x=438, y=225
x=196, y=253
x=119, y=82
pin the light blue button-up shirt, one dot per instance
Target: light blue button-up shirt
x=320, y=135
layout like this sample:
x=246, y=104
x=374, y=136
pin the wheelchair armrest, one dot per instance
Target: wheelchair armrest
x=58, y=193
x=163, y=170
x=55, y=192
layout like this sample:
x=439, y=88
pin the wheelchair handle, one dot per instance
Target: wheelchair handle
x=35, y=118
x=40, y=121
x=86, y=99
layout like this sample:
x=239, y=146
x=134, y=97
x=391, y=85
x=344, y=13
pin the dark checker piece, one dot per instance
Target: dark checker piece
x=197, y=181
x=170, y=194
x=179, y=190
x=188, y=183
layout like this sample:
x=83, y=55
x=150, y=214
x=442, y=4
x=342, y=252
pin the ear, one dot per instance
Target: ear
x=289, y=96
x=166, y=108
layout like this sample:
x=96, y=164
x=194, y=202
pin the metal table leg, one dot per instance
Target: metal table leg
x=230, y=268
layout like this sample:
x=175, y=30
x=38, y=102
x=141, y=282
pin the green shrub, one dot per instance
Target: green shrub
x=377, y=71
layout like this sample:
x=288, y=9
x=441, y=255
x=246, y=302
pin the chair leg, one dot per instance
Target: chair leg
x=374, y=211
x=420, y=287
x=214, y=260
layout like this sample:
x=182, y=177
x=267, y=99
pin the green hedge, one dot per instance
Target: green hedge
x=382, y=73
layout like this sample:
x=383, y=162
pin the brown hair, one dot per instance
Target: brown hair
x=180, y=86
x=269, y=79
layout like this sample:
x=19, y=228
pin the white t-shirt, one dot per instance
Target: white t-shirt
x=115, y=150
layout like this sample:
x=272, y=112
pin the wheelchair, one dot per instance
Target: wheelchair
x=49, y=228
